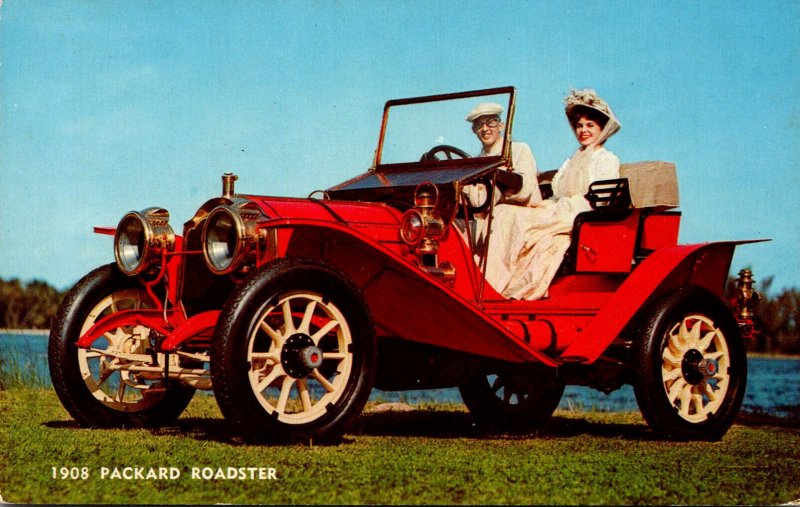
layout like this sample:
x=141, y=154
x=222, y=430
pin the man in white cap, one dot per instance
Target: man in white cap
x=488, y=127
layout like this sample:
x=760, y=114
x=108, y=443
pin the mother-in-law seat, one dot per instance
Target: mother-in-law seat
x=631, y=217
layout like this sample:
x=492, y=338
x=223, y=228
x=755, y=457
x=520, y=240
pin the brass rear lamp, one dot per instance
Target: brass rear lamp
x=420, y=227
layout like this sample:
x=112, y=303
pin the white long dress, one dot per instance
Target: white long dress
x=525, y=165
x=527, y=244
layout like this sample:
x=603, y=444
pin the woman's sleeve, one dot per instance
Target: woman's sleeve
x=605, y=167
x=556, y=177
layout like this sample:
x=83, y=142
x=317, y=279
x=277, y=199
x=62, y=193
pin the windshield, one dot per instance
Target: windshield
x=412, y=127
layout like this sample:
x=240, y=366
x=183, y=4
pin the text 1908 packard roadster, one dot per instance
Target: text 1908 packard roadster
x=293, y=309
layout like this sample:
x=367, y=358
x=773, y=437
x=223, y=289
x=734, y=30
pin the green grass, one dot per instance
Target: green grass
x=429, y=455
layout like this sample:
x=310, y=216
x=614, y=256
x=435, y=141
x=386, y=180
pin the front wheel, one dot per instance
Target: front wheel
x=294, y=353
x=104, y=385
x=692, y=367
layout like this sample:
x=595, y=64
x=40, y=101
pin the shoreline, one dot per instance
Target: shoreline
x=42, y=332
x=45, y=332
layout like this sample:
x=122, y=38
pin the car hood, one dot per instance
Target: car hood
x=343, y=212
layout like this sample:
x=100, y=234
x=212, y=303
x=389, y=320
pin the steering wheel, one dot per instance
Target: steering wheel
x=445, y=149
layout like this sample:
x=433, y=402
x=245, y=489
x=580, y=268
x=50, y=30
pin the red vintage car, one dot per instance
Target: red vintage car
x=293, y=309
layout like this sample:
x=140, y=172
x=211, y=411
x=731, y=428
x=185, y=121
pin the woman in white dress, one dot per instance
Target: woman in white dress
x=527, y=244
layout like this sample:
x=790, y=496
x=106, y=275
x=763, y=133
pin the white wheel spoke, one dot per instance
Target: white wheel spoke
x=276, y=372
x=670, y=358
x=697, y=401
x=286, y=389
x=334, y=355
x=272, y=355
x=306, y=322
x=672, y=374
x=288, y=321
x=694, y=336
x=277, y=340
x=709, y=392
x=704, y=342
x=105, y=372
x=714, y=355
x=304, y=396
x=674, y=347
x=323, y=381
x=675, y=390
x=121, y=390
x=683, y=337
x=324, y=330
x=685, y=399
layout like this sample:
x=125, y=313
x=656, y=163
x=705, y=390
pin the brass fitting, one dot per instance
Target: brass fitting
x=228, y=181
x=746, y=296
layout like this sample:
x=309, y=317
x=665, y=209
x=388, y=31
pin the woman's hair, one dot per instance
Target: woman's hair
x=577, y=112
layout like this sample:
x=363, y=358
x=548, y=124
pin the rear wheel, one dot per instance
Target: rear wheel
x=692, y=367
x=294, y=353
x=96, y=385
x=512, y=401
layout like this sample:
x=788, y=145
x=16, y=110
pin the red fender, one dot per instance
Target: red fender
x=706, y=265
x=147, y=317
x=176, y=328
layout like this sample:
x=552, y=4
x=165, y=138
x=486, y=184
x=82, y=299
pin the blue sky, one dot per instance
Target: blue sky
x=111, y=106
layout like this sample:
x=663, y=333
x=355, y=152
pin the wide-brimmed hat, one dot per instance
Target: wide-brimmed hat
x=485, y=109
x=588, y=98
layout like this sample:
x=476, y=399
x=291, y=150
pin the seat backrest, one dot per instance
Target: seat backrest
x=651, y=184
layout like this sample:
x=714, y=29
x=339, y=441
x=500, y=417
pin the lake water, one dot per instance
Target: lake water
x=773, y=384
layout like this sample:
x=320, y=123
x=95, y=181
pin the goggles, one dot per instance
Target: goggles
x=478, y=124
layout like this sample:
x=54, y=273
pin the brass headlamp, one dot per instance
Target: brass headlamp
x=141, y=238
x=230, y=235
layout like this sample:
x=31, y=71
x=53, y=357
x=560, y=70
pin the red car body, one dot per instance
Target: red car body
x=390, y=234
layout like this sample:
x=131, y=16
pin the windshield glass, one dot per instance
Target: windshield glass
x=413, y=129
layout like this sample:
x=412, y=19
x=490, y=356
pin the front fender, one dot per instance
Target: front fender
x=705, y=265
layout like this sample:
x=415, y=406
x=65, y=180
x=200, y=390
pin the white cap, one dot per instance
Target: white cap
x=485, y=109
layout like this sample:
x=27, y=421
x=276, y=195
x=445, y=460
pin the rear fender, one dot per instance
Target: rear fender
x=704, y=265
x=404, y=301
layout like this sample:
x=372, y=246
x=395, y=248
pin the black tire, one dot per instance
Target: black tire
x=99, y=402
x=514, y=401
x=258, y=378
x=694, y=390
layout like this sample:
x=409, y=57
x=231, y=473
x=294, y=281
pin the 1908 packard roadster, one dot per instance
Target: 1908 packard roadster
x=293, y=309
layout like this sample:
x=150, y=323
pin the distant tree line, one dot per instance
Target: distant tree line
x=33, y=306
x=28, y=305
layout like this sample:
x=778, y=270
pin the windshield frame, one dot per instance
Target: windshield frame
x=507, y=137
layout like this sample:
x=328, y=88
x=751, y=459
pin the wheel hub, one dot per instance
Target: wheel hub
x=696, y=368
x=300, y=356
